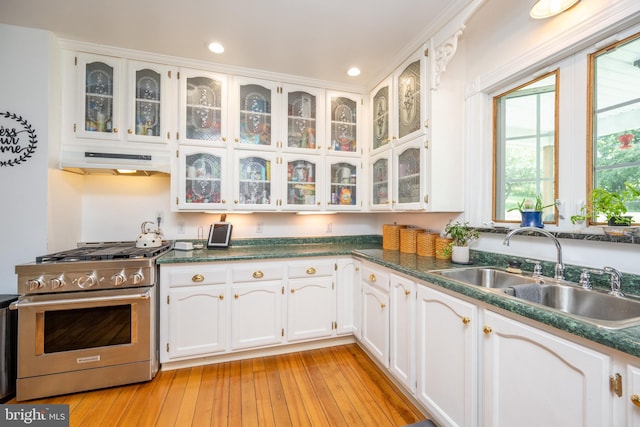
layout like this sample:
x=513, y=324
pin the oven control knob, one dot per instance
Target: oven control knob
x=87, y=281
x=56, y=283
x=34, y=284
x=118, y=279
x=137, y=278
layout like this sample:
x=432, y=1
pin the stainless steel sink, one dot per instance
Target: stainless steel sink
x=592, y=306
x=486, y=277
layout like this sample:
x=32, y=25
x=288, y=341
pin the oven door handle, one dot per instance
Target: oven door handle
x=24, y=304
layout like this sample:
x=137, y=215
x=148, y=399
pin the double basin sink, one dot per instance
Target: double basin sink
x=592, y=306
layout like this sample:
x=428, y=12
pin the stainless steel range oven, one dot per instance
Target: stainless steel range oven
x=87, y=319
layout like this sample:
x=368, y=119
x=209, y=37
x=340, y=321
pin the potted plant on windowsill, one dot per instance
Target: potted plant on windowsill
x=462, y=235
x=610, y=204
x=531, y=212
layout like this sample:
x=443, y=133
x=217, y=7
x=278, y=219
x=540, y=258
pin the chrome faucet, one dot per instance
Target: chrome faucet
x=616, y=281
x=559, y=268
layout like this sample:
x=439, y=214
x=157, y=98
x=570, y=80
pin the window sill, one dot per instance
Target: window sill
x=596, y=236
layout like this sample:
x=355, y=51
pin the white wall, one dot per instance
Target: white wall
x=24, y=89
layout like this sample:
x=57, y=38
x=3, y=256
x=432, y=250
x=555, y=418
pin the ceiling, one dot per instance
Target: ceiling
x=317, y=39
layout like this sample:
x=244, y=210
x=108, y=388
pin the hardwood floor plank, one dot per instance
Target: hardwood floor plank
x=336, y=386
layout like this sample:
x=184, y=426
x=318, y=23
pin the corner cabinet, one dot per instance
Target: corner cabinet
x=408, y=170
x=402, y=338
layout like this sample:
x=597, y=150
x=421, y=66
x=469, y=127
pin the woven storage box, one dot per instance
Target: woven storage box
x=408, y=239
x=426, y=244
x=391, y=236
x=441, y=243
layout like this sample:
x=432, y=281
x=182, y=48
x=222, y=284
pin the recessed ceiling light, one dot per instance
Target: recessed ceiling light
x=216, y=47
x=548, y=8
x=353, y=71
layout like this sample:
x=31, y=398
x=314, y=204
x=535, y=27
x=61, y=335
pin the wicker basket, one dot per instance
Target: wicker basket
x=441, y=243
x=408, y=239
x=391, y=236
x=426, y=244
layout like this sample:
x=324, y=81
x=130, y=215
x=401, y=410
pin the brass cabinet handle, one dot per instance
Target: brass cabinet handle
x=197, y=278
x=235, y=201
x=635, y=399
x=220, y=297
x=372, y=277
x=407, y=292
x=382, y=305
x=223, y=201
x=258, y=274
x=129, y=131
x=487, y=330
x=115, y=130
x=311, y=270
x=466, y=320
x=293, y=291
x=235, y=296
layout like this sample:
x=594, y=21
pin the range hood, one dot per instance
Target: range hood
x=118, y=161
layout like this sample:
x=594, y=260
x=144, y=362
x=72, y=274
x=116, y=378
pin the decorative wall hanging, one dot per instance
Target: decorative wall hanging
x=17, y=139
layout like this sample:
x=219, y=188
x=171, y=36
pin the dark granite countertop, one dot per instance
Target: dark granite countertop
x=626, y=340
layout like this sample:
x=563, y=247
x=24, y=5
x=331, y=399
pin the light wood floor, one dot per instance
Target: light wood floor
x=336, y=386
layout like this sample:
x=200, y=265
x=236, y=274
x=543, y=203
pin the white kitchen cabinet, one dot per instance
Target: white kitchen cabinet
x=303, y=117
x=256, y=181
x=344, y=179
x=203, y=108
x=116, y=112
x=409, y=176
x=304, y=176
x=375, y=312
x=630, y=396
x=193, y=311
x=256, y=105
x=311, y=299
x=201, y=181
x=410, y=104
x=347, y=296
x=382, y=115
x=257, y=305
x=343, y=125
x=381, y=182
x=532, y=378
x=447, y=357
x=357, y=299
x=402, y=336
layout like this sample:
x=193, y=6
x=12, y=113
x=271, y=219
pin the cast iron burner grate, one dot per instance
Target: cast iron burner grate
x=103, y=251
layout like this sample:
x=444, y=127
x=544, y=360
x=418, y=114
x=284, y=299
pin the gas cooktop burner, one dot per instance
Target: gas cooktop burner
x=103, y=251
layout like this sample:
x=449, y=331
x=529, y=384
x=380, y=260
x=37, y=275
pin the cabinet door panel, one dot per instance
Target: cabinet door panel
x=311, y=308
x=532, y=378
x=256, y=312
x=375, y=322
x=197, y=323
x=402, y=348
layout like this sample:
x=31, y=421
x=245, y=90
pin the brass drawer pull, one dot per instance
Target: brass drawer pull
x=311, y=270
x=372, y=277
x=487, y=330
x=383, y=305
x=197, y=278
x=220, y=297
x=235, y=296
x=407, y=292
x=258, y=274
x=466, y=320
x=635, y=399
x=293, y=291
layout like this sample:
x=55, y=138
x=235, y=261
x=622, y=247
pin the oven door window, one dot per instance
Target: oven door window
x=76, y=329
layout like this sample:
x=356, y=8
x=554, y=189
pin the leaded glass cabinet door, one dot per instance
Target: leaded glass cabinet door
x=303, y=178
x=305, y=110
x=203, y=111
x=381, y=187
x=255, y=187
x=343, y=126
x=344, y=180
x=381, y=113
x=149, y=90
x=202, y=182
x=410, y=105
x=408, y=181
x=100, y=94
x=254, y=126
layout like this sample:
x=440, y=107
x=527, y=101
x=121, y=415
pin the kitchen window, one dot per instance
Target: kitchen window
x=613, y=154
x=526, y=148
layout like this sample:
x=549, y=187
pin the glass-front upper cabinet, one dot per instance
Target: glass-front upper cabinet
x=410, y=98
x=100, y=97
x=344, y=184
x=381, y=113
x=254, y=104
x=381, y=183
x=255, y=187
x=343, y=127
x=303, y=178
x=304, y=119
x=148, y=92
x=408, y=179
x=203, y=108
x=202, y=178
